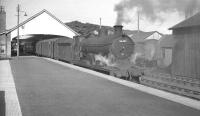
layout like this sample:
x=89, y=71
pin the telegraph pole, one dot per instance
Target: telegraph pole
x=18, y=11
x=138, y=22
x=18, y=37
x=138, y=13
x=100, y=22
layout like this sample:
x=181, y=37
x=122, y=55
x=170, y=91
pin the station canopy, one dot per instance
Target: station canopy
x=42, y=23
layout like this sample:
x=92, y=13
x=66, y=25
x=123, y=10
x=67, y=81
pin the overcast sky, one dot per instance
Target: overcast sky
x=87, y=11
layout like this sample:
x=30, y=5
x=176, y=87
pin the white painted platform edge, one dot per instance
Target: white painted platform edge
x=163, y=94
x=8, y=85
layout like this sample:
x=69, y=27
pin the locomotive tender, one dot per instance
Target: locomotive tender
x=92, y=52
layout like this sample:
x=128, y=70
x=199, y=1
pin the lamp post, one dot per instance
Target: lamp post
x=18, y=15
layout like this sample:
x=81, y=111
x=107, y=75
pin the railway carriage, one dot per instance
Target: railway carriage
x=64, y=49
x=38, y=48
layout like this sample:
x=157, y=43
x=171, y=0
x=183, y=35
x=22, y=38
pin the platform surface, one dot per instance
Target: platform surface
x=45, y=88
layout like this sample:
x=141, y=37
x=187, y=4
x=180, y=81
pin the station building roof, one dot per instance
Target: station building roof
x=141, y=36
x=193, y=21
x=42, y=23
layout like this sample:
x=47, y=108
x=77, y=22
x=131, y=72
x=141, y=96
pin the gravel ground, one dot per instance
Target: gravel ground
x=49, y=89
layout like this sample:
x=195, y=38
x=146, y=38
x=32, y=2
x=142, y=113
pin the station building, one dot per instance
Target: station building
x=43, y=25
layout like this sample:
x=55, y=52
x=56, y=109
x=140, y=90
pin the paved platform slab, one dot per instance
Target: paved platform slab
x=193, y=103
x=7, y=84
x=48, y=89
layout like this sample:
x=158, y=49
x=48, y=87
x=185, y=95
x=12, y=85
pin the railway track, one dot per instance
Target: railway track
x=180, y=85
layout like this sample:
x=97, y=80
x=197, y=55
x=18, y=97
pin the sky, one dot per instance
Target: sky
x=88, y=11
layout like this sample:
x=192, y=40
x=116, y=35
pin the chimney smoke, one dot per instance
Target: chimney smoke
x=150, y=9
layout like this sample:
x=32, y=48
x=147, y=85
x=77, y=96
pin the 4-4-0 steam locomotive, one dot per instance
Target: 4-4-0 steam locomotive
x=105, y=53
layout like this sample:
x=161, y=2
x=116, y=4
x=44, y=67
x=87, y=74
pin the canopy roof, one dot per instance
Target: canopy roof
x=43, y=23
x=190, y=22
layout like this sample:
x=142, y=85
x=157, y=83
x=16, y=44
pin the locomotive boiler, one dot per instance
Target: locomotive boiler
x=117, y=46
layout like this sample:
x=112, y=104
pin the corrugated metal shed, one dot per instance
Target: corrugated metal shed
x=186, y=51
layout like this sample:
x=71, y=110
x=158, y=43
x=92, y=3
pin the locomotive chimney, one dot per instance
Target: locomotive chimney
x=118, y=30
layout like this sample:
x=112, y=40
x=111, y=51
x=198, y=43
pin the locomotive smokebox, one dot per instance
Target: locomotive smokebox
x=118, y=30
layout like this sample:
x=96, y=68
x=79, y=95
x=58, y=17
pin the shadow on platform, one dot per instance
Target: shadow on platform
x=2, y=103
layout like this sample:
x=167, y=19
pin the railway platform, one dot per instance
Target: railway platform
x=36, y=86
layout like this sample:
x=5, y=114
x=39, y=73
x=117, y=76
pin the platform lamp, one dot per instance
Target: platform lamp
x=18, y=16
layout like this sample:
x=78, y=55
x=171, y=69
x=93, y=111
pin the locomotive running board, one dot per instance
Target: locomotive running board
x=163, y=94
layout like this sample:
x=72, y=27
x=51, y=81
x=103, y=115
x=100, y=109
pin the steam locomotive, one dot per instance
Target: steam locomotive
x=105, y=53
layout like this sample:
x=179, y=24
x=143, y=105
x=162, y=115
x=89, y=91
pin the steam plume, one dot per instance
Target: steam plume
x=135, y=56
x=151, y=8
x=104, y=60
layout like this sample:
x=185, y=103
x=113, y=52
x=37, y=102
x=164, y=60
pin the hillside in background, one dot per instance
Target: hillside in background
x=88, y=28
x=85, y=28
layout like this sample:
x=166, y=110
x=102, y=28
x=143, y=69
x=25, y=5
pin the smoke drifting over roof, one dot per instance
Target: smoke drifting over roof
x=151, y=8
